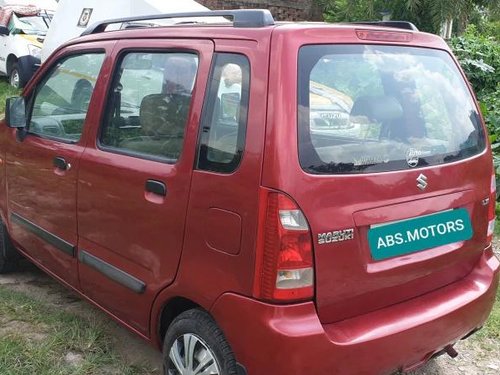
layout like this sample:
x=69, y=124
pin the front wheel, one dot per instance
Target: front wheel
x=195, y=345
x=16, y=78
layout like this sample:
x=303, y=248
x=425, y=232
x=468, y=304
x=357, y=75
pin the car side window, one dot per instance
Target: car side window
x=149, y=105
x=224, y=120
x=61, y=101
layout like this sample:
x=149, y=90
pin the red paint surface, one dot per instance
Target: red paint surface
x=117, y=222
x=348, y=282
x=291, y=340
x=362, y=309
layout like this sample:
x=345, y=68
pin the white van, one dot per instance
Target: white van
x=74, y=16
x=21, y=44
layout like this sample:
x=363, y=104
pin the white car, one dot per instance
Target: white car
x=20, y=46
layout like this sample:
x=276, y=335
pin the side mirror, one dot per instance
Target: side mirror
x=15, y=112
x=4, y=30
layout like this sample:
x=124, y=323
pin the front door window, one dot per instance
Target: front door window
x=61, y=102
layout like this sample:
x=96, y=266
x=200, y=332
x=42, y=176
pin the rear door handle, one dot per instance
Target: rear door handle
x=61, y=163
x=156, y=187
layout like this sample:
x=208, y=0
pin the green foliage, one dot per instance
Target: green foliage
x=350, y=10
x=490, y=28
x=428, y=15
x=6, y=91
x=479, y=56
x=491, y=329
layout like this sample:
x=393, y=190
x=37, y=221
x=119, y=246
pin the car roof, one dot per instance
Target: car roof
x=210, y=31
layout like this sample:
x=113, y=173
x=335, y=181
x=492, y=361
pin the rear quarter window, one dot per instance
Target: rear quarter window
x=366, y=109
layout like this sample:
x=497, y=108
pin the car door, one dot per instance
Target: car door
x=134, y=181
x=42, y=160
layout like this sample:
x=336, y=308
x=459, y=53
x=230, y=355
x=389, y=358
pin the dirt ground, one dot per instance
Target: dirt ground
x=475, y=356
x=36, y=284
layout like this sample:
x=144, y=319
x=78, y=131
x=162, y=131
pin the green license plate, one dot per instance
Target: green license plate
x=421, y=233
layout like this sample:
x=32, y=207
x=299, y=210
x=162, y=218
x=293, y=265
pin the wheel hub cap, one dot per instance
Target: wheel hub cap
x=14, y=79
x=189, y=355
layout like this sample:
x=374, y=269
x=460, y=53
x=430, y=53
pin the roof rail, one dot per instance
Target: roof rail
x=240, y=18
x=395, y=24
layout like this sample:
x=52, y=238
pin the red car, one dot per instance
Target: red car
x=259, y=198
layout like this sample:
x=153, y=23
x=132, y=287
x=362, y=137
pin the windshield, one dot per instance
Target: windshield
x=366, y=109
x=31, y=25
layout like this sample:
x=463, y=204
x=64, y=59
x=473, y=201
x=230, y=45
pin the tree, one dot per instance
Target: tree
x=444, y=10
x=428, y=15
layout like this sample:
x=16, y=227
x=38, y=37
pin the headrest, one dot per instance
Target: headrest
x=377, y=108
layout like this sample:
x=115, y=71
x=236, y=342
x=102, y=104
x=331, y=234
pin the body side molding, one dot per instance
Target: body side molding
x=51, y=238
x=110, y=271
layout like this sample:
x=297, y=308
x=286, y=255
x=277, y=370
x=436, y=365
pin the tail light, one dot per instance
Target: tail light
x=284, y=267
x=491, y=209
x=384, y=36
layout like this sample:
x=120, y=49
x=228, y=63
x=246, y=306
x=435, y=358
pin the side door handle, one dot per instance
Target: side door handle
x=156, y=187
x=61, y=163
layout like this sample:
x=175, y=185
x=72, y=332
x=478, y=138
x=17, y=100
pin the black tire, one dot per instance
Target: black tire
x=18, y=82
x=199, y=324
x=9, y=256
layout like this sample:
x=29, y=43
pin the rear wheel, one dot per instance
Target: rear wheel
x=195, y=345
x=9, y=256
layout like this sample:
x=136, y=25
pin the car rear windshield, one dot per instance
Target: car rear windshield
x=368, y=108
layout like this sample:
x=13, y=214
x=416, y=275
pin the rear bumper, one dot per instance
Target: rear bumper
x=273, y=339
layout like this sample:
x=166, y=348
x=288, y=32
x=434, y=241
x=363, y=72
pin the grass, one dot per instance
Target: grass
x=492, y=327
x=36, y=338
x=6, y=91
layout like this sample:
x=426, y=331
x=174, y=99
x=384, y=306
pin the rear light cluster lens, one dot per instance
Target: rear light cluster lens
x=491, y=209
x=285, y=265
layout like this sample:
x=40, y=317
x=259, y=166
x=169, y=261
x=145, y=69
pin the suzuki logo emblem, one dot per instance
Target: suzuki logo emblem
x=422, y=181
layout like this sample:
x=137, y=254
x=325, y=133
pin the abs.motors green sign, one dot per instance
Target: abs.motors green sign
x=424, y=232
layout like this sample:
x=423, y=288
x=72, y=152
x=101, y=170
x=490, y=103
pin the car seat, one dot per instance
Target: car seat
x=384, y=110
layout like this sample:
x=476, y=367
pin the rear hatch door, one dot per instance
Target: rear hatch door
x=394, y=173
